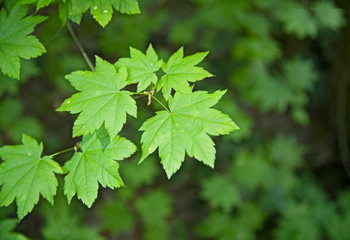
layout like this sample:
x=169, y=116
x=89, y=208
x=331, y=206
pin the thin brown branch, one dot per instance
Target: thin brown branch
x=80, y=47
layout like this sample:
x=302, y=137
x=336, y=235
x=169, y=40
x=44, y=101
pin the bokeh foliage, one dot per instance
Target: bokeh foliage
x=278, y=177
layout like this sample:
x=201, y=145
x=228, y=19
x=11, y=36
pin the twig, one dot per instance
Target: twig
x=80, y=47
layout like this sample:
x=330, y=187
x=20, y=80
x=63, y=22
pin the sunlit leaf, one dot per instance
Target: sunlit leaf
x=24, y=175
x=15, y=43
x=185, y=129
x=101, y=99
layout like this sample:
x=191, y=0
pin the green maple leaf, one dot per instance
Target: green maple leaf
x=141, y=68
x=127, y=6
x=95, y=164
x=185, y=128
x=43, y=3
x=101, y=10
x=77, y=7
x=14, y=40
x=101, y=99
x=6, y=227
x=179, y=71
x=39, y=3
x=24, y=175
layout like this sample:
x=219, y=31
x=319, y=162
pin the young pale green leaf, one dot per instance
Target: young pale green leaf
x=95, y=164
x=14, y=40
x=101, y=99
x=185, y=129
x=127, y=6
x=25, y=175
x=179, y=71
x=141, y=67
x=6, y=227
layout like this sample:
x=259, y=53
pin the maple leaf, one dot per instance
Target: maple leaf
x=127, y=6
x=14, y=40
x=141, y=68
x=101, y=10
x=39, y=3
x=95, y=164
x=24, y=175
x=179, y=71
x=101, y=99
x=43, y=3
x=185, y=128
x=77, y=7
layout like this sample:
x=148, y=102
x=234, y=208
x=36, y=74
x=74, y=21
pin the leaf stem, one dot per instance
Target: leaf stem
x=160, y=103
x=63, y=151
x=81, y=49
x=148, y=94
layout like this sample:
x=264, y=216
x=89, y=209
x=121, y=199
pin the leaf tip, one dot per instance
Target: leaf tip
x=150, y=46
x=141, y=160
x=97, y=59
x=169, y=174
x=235, y=127
x=205, y=54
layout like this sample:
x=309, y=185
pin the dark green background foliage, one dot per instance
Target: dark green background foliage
x=286, y=66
